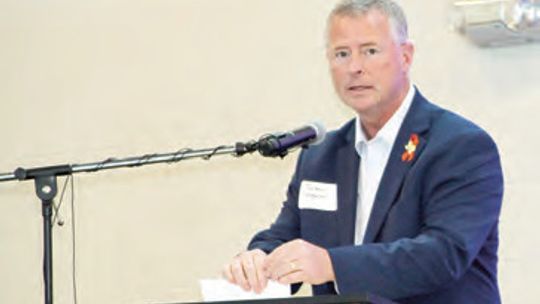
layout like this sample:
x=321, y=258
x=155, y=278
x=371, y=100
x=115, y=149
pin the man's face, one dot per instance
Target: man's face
x=369, y=66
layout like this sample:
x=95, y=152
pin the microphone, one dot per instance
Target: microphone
x=279, y=144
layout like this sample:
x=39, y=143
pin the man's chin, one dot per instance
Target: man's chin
x=360, y=105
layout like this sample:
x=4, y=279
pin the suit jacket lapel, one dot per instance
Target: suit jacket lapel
x=416, y=122
x=347, y=161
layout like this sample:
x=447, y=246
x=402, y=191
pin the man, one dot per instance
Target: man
x=402, y=202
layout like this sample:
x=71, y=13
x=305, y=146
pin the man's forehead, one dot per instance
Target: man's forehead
x=362, y=28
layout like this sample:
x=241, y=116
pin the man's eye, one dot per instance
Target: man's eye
x=342, y=54
x=371, y=51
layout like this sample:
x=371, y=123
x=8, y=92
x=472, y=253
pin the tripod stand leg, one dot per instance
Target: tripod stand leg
x=46, y=190
x=47, y=252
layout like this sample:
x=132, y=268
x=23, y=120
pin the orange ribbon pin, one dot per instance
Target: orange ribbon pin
x=410, y=148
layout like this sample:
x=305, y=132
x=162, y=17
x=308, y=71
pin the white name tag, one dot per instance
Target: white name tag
x=319, y=196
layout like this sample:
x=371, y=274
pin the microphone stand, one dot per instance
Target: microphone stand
x=45, y=181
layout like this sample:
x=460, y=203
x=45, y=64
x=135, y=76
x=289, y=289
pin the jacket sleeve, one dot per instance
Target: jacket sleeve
x=287, y=225
x=462, y=188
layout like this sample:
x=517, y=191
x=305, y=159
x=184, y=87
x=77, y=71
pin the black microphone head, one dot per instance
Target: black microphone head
x=280, y=144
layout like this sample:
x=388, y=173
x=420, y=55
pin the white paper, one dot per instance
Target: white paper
x=318, y=196
x=221, y=290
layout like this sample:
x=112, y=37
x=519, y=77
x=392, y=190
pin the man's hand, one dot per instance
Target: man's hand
x=246, y=270
x=299, y=261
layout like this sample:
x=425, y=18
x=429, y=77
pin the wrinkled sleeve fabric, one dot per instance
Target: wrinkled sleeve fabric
x=287, y=225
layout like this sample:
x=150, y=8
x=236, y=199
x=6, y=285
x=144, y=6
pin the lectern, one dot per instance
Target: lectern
x=360, y=299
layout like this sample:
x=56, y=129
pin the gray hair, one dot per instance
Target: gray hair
x=389, y=8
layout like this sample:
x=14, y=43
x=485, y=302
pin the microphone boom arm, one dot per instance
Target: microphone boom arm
x=114, y=163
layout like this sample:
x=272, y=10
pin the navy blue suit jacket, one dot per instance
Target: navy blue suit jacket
x=432, y=236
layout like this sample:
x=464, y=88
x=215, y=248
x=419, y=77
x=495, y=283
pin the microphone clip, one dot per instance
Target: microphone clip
x=266, y=145
x=242, y=148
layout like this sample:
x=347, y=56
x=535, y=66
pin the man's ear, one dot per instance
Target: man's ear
x=407, y=50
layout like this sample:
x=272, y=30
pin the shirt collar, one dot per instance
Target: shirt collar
x=389, y=131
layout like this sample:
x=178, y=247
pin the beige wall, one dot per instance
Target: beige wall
x=120, y=78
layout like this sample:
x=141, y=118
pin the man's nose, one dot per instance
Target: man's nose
x=356, y=64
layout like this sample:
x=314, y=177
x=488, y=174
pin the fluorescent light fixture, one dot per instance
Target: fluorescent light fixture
x=498, y=22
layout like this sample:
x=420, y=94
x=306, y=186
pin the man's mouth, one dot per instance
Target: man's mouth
x=359, y=88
